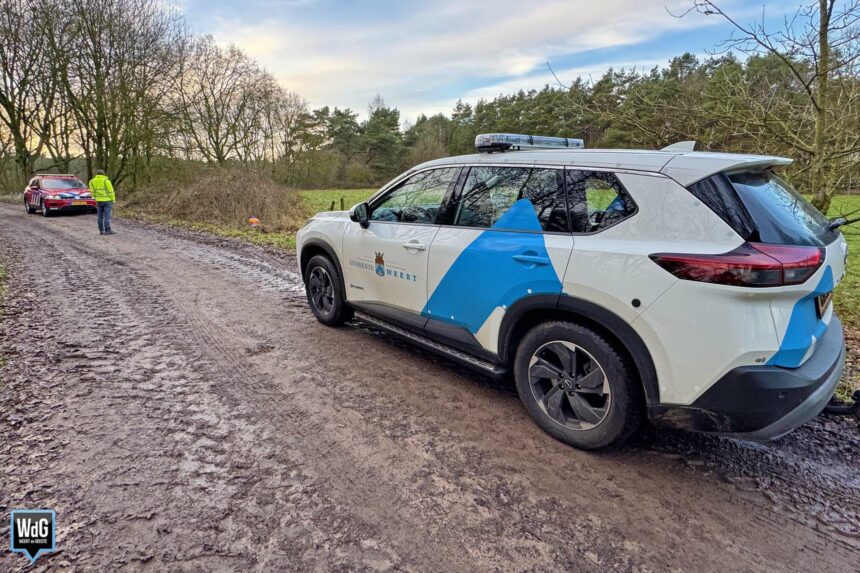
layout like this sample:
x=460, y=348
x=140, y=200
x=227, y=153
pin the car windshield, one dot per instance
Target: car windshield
x=781, y=214
x=62, y=183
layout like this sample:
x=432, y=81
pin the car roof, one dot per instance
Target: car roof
x=685, y=167
x=57, y=175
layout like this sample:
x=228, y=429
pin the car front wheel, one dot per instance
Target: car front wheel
x=325, y=295
x=577, y=386
x=45, y=211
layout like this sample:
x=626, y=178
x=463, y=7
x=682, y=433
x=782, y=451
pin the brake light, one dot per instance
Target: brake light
x=750, y=265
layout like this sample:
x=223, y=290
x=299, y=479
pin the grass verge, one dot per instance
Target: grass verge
x=313, y=201
x=846, y=298
x=282, y=240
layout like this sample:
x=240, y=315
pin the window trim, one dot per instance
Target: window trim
x=569, y=193
x=464, y=169
x=727, y=190
x=398, y=182
x=464, y=175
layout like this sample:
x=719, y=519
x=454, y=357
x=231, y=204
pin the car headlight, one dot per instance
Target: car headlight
x=86, y=195
x=53, y=197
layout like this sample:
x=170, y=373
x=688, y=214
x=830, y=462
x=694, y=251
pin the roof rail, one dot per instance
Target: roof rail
x=681, y=146
x=490, y=142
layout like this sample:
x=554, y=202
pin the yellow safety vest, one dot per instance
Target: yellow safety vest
x=102, y=189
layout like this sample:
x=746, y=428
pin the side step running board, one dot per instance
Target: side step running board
x=487, y=368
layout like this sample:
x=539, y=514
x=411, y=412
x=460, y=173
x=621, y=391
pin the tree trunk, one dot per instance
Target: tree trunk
x=822, y=193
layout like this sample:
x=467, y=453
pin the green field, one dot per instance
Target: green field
x=320, y=199
x=847, y=298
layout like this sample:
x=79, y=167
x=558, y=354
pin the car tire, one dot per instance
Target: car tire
x=45, y=211
x=578, y=386
x=324, y=291
x=28, y=208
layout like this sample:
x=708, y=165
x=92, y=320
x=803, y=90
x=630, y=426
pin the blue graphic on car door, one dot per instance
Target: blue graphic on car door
x=498, y=268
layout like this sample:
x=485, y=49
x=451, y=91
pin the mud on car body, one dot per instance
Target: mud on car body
x=692, y=288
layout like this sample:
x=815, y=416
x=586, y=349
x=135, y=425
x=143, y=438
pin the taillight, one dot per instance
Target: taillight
x=750, y=265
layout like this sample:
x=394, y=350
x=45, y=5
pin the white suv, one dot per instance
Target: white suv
x=694, y=288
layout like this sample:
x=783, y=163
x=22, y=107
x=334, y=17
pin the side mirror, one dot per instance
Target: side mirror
x=359, y=214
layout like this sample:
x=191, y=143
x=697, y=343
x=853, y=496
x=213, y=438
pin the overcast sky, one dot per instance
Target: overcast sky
x=423, y=56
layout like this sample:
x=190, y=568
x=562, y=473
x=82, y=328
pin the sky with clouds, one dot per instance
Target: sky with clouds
x=423, y=56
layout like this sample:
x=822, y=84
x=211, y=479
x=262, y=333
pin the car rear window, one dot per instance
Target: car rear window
x=760, y=206
x=781, y=214
x=64, y=183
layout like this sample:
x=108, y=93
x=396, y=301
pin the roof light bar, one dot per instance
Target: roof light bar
x=490, y=142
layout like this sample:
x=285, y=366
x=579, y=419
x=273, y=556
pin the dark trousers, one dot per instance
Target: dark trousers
x=104, y=209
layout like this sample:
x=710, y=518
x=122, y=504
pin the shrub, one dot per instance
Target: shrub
x=225, y=196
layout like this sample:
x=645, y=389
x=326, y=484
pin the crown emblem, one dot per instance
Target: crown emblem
x=379, y=259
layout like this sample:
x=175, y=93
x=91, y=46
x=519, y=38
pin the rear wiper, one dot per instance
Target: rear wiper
x=836, y=223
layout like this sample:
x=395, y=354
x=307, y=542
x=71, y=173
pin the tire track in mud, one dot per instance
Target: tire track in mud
x=217, y=401
x=201, y=453
x=315, y=430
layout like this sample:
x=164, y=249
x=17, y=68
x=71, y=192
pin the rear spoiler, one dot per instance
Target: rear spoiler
x=688, y=168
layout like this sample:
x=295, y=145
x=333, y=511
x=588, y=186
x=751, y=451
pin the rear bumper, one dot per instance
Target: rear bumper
x=764, y=402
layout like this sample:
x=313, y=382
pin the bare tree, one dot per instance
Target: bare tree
x=818, y=49
x=10, y=178
x=281, y=120
x=115, y=60
x=26, y=92
x=219, y=103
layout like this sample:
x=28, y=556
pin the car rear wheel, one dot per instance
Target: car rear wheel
x=325, y=296
x=577, y=386
x=29, y=208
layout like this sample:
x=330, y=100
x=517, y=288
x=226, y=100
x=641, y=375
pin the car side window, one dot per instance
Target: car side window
x=490, y=191
x=597, y=200
x=418, y=199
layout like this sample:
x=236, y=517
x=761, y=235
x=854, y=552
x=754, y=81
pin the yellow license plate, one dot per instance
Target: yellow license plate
x=79, y=202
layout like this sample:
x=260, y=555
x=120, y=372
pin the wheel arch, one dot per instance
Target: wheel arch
x=531, y=311
x=313, y=247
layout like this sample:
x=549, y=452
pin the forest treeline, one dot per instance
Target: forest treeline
x=126, y=86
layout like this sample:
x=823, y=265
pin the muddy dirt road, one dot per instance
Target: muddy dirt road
x=171, y=397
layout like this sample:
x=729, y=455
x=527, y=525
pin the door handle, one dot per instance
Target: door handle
x=414, y=245
x=531, y=259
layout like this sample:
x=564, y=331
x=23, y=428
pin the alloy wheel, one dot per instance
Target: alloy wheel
x=569, y=385
x=322, y=290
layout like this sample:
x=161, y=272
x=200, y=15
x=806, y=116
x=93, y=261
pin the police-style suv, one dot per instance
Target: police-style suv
x=694, y=288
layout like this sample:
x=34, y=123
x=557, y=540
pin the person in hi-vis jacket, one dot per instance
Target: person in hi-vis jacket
x=102, y=190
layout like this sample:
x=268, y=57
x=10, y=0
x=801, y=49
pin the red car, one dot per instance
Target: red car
x=58, y=194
